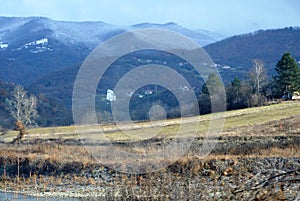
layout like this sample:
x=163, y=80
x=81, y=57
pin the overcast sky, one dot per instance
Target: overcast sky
x=224, y=16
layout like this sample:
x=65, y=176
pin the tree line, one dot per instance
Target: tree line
x=255, y=91
x=258, y=89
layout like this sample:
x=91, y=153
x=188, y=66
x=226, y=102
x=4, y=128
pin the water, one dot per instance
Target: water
x=20, y=197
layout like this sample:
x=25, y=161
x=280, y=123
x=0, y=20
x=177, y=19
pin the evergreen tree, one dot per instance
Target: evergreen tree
x=235, y=94
x=236, y=83
x=213, y=85
x=212, y=93
x=240, y=95
x=288, y=76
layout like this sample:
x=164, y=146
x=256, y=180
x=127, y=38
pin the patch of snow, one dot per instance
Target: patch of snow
x=39, y=45
x=37, y=42
x=42, y=41
x=41, y=49
x=3, y=45
x=226, y=67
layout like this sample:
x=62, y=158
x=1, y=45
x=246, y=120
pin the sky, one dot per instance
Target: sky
x=227, y=17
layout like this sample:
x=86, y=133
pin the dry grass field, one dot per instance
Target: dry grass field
x=256, y=157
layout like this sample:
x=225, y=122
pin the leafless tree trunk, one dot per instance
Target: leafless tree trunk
x=258, y=75
x=23, y=108
x=30, y=110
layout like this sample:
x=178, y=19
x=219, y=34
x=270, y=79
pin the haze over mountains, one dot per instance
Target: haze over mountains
x=33, y=47
x=45, y=55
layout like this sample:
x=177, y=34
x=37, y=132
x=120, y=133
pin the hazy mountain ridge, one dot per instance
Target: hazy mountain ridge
x=89, y=33
x=202, y=37
x=25, y=59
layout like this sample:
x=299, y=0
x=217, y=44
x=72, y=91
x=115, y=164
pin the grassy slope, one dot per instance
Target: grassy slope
x=233, y=120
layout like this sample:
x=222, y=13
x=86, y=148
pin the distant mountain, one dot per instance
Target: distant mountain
x=202, y=37
x=32, y=47
x=233, y=55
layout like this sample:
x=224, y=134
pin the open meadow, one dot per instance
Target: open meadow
x=256, y=157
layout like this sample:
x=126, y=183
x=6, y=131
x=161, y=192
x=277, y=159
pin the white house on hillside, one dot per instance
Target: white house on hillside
x=110, y=95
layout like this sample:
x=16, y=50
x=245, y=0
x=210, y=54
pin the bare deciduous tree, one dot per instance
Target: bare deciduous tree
x=258, y=75
x=24, y=109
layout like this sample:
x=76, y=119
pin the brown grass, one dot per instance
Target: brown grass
x=256, y=145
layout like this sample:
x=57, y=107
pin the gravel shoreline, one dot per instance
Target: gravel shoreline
x=215, y=179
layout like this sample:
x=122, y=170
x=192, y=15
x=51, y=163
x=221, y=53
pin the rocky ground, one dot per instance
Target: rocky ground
x=224, y=179
x=219, y=177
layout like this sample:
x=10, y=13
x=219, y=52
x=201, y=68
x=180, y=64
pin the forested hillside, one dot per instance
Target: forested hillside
x=50, y=112
x=235, y=54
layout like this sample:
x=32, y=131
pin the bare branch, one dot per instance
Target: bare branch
x=258, y=75
x=23, y=108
